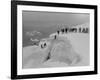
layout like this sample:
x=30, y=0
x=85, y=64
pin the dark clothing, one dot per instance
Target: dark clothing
x=58, y=32
x=66, y=30
x=55, y=36
x=44, y=44
x=62, y=30
x=41, y=46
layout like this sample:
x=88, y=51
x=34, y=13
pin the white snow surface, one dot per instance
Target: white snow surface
x=77, y=46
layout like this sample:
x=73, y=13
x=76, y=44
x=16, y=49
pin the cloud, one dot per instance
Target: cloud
x=33, y=33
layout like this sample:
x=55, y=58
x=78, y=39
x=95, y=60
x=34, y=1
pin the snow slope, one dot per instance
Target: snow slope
x=35, y=57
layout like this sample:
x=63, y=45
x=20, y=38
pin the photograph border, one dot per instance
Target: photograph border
x=14, y=24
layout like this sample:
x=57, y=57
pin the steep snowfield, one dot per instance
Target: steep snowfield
x=34, y=56
x=61, y=54
x=80, y=43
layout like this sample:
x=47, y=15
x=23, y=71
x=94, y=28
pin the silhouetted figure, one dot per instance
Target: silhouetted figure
x=44, y=44
x=58, y=32
x=62, y=30
x=48, y=57
x=41, y=46
x=66, y=30
x=55, y=36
